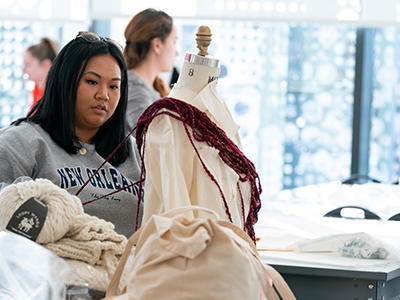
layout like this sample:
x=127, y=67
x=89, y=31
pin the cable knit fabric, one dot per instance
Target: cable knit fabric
x=67, y=231
x=62, y=207
x=95, y=245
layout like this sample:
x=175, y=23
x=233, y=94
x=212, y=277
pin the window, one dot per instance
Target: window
x=384, y=162
x=290, y=88
x=15, y=37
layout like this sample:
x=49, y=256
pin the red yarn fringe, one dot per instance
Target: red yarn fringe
x=204, y=130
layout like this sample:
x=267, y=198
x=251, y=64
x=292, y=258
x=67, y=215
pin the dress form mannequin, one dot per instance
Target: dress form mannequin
x=181, y=169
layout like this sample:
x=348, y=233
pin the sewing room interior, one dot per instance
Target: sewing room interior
x=302, y=134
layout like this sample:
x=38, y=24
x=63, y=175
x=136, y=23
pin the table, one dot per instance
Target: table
x=329, y=276
x=325, y=283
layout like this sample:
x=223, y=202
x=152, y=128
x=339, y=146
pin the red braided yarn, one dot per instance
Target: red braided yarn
x=228, y=213
x=204, y=130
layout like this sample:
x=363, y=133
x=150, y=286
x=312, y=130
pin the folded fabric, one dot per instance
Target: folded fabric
x=87, y=227
x=101, y=253
x=94, y=277
x=84, y=274
x=354, y=245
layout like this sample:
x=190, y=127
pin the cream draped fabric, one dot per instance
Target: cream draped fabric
x=174, y=174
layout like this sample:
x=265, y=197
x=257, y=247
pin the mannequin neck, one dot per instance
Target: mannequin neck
x=198, y=71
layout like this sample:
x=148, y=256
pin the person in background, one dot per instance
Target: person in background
x=37, y=62
x=150, y=49
x=76, y=125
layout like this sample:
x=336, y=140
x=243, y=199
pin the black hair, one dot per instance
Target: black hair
x=55, y=112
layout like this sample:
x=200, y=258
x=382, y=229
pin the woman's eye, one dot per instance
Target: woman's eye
x=92, y=82
x=115, y=87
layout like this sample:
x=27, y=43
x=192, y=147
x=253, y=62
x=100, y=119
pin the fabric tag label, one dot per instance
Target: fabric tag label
x=28, y=220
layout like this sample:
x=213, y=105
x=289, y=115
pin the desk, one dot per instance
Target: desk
x=314, y=277
x=326, y=283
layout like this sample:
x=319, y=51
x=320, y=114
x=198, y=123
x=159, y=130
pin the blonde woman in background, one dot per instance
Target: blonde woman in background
x=150, y=49
x=37, y=62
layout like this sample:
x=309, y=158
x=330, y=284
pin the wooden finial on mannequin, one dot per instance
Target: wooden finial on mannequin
x=203, y=39
x=197, y=70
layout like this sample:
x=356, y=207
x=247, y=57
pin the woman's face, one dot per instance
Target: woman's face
x=36, y=70
x=168, y=51
x=98, y=95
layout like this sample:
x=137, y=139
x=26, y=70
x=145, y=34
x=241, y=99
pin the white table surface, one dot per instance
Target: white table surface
x=278, y=231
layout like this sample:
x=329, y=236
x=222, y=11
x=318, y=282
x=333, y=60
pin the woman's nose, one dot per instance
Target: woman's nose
x=102, y=94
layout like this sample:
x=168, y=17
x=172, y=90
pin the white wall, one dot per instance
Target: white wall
x=358, y=12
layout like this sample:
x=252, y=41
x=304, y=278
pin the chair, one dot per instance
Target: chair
x=359, y=178
x=337, y=213
x=395, y=217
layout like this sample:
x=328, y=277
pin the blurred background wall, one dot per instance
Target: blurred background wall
x=312, y=83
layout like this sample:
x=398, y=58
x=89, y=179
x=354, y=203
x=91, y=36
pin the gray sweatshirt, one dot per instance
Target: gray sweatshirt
x=27, y=152
x=140, y=96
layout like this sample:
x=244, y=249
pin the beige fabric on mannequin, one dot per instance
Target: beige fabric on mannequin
x=174, y=174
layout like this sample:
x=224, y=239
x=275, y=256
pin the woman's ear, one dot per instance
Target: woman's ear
x=156, y=45
x=46, y=63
